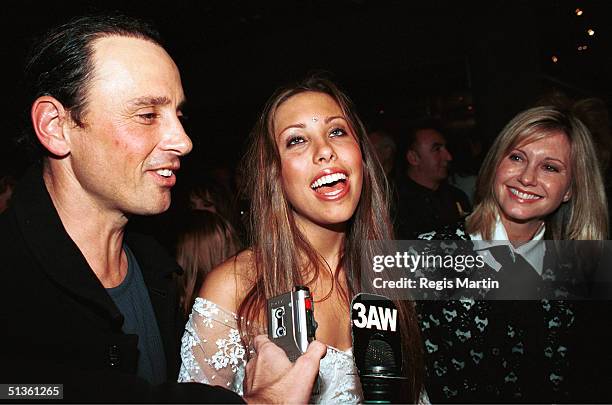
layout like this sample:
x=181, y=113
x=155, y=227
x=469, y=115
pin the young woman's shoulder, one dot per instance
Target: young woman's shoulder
x=227, y=284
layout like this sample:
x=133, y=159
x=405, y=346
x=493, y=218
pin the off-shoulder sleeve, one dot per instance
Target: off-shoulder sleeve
x=211, y=350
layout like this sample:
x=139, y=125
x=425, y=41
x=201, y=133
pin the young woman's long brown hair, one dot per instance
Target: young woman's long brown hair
x=282, y=255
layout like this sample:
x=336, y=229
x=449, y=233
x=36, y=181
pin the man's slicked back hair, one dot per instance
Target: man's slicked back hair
x=60, y=63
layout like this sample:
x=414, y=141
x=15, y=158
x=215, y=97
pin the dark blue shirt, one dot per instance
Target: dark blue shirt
x=132, y=299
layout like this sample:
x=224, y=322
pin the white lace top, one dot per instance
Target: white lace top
x=212, y=353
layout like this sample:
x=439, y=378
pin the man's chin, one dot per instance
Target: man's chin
x=152, y=209
x=443, y=176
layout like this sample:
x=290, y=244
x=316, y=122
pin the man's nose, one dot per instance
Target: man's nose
x=446, y=155
x=177, y=139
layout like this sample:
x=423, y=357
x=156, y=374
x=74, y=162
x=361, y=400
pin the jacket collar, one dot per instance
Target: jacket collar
x=63, y=262
x=50, y=244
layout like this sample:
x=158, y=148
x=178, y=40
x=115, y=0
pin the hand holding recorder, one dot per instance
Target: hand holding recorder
x=270, y=375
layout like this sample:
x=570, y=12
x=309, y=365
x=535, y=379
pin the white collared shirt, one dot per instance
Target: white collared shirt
x=532, y=251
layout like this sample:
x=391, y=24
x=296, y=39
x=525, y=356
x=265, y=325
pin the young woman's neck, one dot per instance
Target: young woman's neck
x=327, y=241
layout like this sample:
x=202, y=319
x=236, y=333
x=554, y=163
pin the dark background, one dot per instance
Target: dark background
x=469, y=63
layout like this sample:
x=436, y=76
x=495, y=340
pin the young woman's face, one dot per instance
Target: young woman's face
x=534, y=179
x=320, y=159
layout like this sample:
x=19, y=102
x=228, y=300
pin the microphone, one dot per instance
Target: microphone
x=377, y=348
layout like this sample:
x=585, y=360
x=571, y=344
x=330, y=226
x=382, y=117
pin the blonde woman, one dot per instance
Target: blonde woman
x=540, y=180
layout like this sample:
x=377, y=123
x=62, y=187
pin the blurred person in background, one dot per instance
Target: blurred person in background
x=204, y=241
x=426, y=200
x=208, y=194
x=466, y=162
x=385, y=149
x=7, y=185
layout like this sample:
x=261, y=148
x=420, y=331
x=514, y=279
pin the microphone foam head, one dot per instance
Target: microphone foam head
x=379, y=357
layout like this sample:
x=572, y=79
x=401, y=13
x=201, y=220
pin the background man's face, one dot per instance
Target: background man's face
x=126, y=156
x=430, y=146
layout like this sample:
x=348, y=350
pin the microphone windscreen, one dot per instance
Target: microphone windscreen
x=379, y=353
x=376, y=335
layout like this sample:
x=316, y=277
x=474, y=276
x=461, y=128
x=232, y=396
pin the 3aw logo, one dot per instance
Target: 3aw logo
x=372, y=317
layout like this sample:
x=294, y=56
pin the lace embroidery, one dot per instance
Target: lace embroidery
x=230, y=352
x=212, y=353
x=207, y=309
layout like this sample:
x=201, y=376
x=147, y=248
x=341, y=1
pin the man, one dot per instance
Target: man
x=385, y=149
x=426, y=201
x=85, y=303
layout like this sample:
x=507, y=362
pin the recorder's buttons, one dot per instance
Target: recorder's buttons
x=308, y=304
x=311, y=324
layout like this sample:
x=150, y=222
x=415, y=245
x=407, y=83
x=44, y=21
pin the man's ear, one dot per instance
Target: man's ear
x=48, y=116
x=412, y=157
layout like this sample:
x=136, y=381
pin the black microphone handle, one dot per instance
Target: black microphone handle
x=379, y=389
x=377, y=348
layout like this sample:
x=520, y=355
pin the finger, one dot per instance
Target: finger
x=251, y=364
x=316, y=349
x=308, y=363
x=249, y=373
x=265, y=347
x=260, y=340
x=307, y=368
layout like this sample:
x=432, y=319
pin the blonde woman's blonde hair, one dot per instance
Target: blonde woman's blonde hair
x=585, y=215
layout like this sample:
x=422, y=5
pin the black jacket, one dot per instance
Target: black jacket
x=60, y=325
x=420, y=209
x=517, y=351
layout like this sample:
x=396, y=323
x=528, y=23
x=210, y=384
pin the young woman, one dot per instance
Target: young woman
x=317, y=196
x=540, y=180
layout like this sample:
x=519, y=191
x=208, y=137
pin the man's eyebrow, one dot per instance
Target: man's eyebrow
x=149, y=100
x=154, y=101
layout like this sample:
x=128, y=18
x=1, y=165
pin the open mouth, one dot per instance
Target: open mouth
x=330, y=184
x=164, y=172
x=522, y=195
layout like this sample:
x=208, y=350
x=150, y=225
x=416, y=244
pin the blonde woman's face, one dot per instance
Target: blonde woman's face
x=320, y=159
x=534, y=179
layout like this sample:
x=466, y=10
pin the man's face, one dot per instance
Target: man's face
x=432, y=156
x=126, y=155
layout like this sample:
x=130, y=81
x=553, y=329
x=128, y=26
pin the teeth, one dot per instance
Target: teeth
x=164, y=172
x=524, y=196
x=330, y=178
